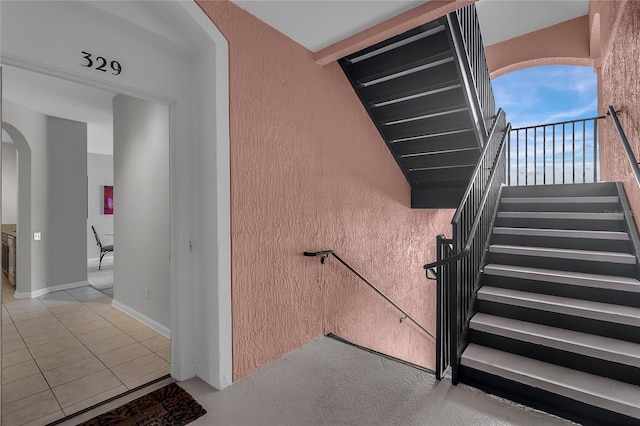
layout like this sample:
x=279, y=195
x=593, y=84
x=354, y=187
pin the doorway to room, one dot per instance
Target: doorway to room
x=72, y=345
x=184, y=66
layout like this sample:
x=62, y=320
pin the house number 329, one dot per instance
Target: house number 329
x=100, y=63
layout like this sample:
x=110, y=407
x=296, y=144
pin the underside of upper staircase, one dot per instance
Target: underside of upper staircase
x=421, y=93
x=557, y=314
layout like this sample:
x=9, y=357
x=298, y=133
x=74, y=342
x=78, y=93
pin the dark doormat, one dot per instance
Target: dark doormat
x=167, y=406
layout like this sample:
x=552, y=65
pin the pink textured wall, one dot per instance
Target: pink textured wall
x=621, y=88
x=565, y=43
x=309, y=171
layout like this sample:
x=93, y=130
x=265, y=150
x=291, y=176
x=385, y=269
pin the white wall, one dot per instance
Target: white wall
x=100, y=138
x=141, y=207
x=65, y=230
x=52, y=199
x=100, y=173
x=9, y=183
x=28, y=131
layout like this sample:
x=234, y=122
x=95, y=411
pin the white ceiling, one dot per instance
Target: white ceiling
x=56, y=97
x=65, y=99
x=502, y=20
x=314, y=24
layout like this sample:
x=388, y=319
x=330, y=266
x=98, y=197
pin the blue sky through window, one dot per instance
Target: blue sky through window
x=543, y=95
x=547, y=94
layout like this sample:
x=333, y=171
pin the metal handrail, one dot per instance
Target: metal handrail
x=467, y=75
x=625, y=142
x=465, y=196
x=554, y=146
x=468, y=33
x=467, y=248
x=324, y=254
x=577, y=120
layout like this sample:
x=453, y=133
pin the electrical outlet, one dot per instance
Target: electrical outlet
x=146, y=293
x=37, y=236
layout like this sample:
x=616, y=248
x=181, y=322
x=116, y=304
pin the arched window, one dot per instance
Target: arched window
x=551, y=109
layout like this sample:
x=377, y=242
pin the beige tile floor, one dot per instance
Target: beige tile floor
x=68, y=350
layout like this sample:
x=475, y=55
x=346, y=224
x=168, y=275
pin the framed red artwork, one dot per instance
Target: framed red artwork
x=108, y=200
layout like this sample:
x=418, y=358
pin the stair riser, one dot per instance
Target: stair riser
x=440, y=198
x=591, y=267
x=440, y=143
x=575, y=361
x=449, y=99
x=537, y=398
x=620, y=246
x=576, y=190
x=439, y=160
x=561, y=207
x=459, y=174
x=583, y=224
x=603, y=295
x=401, y=57
x=570, y=322
x=445, y=123
x=445, y=75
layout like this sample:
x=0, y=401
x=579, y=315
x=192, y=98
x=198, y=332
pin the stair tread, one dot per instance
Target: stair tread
x=563, y=305
x=562, y=233
x=569, y=340
x=565, y=277
x=591, y=255
x=595, y=390
x=561, y=199
x=561, y=215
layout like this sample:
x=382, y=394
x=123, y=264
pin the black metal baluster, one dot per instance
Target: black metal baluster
x=544, y=155
x=553, y=150
x=563, y=151
x=595, y=150
x=573, y=149
x=526, y=157
x=584, y=149
x=535, y=159
x=509, y=154
x=517, y=157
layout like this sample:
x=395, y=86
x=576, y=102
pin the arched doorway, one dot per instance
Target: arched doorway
x=23, y=284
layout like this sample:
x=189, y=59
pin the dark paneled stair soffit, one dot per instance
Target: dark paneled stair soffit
x=414, y=88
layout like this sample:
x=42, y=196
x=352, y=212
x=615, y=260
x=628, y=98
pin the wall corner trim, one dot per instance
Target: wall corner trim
x=142, y=318
x=47, y=290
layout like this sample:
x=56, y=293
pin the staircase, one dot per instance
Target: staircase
x=557, y=321
x=432, y=105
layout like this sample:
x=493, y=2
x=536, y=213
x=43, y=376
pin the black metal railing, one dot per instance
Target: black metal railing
x=465, y=29
x=460, y=258
x=554, y=153
x=324, y=254
x=444, y=250
x=611, y=112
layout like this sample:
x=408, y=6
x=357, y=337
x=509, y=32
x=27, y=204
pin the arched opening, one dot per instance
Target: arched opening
x=545, y=94
x=553, y=112
x=23, y=234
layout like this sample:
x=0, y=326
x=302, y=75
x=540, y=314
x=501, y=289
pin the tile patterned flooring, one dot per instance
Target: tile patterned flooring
x=68, y=350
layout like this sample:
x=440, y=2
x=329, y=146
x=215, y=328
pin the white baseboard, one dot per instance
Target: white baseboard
x=47, y=290
x=142, y=318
